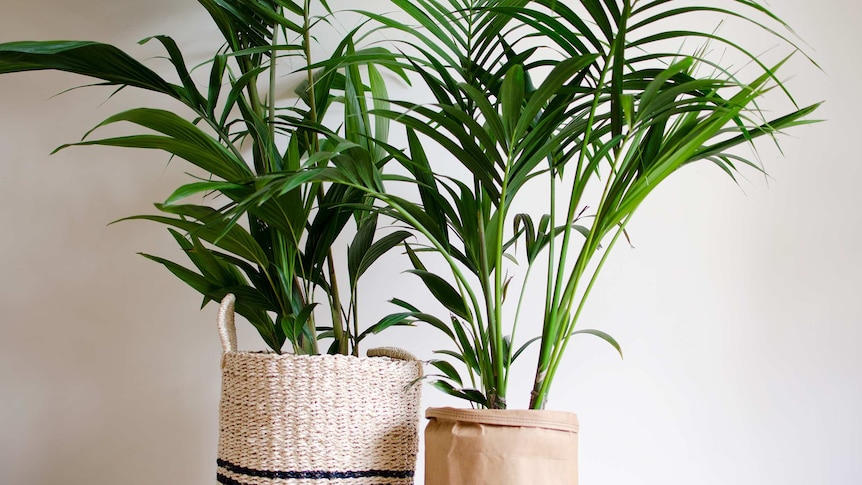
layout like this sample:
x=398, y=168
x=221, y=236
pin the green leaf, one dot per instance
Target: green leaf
x=194, y=97
x=512, y=98
x=182, y=139
x=216, y=78
x=552, y=84
x=379, y=248
x=294, y=325
x=444, y=293
x=220, y=273
x=602, y=335
x=195, y=188
x=381, y=123
x=616, y=84
x=447, y=369
x=211, y=228
x=195, y=280
x=524, y=347
x=492, y=117
x=476, y=396
x=359, y=247
x=464, y=148
x=404, y=304
x=395, y=319
x=424, y=317
x=92, y=59
x=472, y=355
x=466, y=394
x=457, y=356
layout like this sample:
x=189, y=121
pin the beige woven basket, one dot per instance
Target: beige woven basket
x=333, y=419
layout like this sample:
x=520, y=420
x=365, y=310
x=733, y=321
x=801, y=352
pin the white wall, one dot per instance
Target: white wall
x=739, y=323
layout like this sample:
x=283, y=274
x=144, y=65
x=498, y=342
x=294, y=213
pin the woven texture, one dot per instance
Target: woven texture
x=333, y=419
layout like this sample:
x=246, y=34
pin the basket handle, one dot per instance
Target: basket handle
x=227, y=333
x=226, y=324
x=391, y=352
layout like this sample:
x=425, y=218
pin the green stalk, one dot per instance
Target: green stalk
x=553, y=335
x=356, y=321
x=549, y=287
x=515, y=322
x=462, y=281
x=551, y=330
x=280, y=247
x=341, y=336
x=542, y=395
x=272, y=77
x=542, y=378
x=490, y=311
x=260, y=165
x=497, y=323
x=551, y=248
x=314, y=146
x=583, y=259
x=464, y=289
x=306, y=37
x=587, y=250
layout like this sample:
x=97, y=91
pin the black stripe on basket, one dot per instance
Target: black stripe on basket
x=225, y=480
x=312, y=474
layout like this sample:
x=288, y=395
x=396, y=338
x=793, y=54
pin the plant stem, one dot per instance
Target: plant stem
x=515, y=323
x=306, y=37
x=551, y=331
x=272, y=77
x=542, y=395
x=356, y=321
x=497, y=323
x=314, y=146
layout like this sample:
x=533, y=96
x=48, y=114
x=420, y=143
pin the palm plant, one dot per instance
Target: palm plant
x=583, y=102
x=237, y=134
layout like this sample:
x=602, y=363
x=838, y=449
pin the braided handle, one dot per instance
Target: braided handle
x=391, y=352
x=226, y=324
x=227, y=333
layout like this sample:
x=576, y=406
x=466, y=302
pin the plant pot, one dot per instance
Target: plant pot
x=333, y=419
x=500, y=447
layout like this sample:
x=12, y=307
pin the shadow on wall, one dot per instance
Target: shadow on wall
x=108, y=377
x=109, y=371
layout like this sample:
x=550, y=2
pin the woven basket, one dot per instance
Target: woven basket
x=333, y=419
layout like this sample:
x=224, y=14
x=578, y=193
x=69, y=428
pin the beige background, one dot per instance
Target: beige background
x=739, y=309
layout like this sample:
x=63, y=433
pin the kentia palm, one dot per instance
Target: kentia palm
x=614, y=110
x=276, y=264
x=278, y=411
x=611, y=116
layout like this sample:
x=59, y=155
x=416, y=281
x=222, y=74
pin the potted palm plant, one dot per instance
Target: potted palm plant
x=273, y=261
x=588, y=107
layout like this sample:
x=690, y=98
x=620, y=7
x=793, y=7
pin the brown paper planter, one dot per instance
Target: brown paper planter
x=307, y=420
x=500, y=447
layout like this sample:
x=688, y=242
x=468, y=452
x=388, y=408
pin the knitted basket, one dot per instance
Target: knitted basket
x=333, y=419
